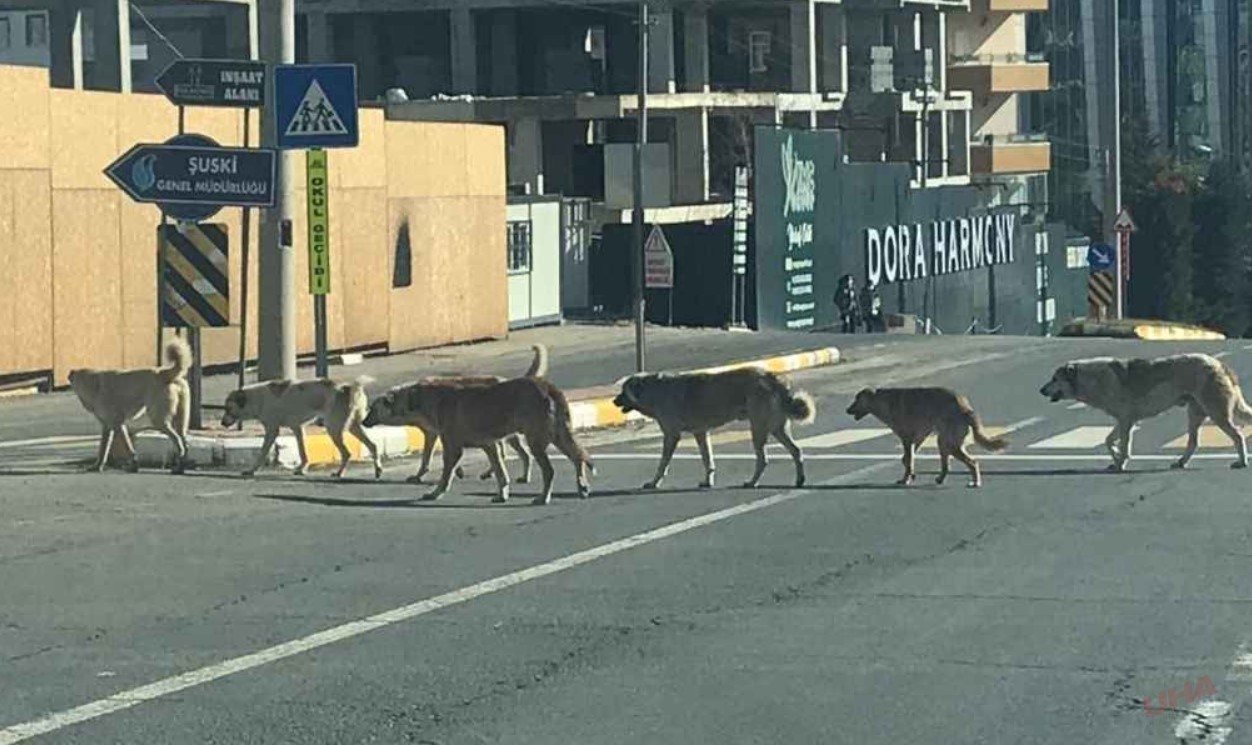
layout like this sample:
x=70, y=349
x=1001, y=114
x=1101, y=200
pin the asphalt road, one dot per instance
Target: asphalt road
x=1046, y=607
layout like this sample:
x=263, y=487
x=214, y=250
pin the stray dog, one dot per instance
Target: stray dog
x=699, y=402
x=1137, y=389
x=393, y=408
x=482, y=415
x=914, y=413
x=117, y=396
x=293, y=404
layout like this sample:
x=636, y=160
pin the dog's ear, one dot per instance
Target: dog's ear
x=1070, y=372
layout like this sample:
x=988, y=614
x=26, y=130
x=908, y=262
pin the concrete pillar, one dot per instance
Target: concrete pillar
x=65, y=44
x=526, y=153
x=832, y=41
x=503, y=53
x=320, y=47
x=111, y=36
x=365, y=52
x=803, y=49
x=696, y=50
x=661, y=52
x=691, y=157
x=464, y=51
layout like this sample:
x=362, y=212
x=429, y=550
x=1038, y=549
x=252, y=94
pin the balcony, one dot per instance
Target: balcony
x=1018, y=6
x=999, y=73
x=1003, y=155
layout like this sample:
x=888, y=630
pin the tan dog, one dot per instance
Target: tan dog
x=699, y=402
x=116, y=397
x=291, y=404
x=913, y=414
x=1137, y=389
x=393, y=408
x=481, y=416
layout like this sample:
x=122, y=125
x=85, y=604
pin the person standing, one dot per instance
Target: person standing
x=846, y=303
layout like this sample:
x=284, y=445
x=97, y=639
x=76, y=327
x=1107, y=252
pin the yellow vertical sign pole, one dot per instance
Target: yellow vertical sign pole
x=317, y=188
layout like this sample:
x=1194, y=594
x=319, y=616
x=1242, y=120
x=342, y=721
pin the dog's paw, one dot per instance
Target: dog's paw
x=1179, y=466
x=541, y=500
x=415, y=478
x=523, y=479
x=500, y=498
x=132, y=467
x=1116, y=468
x=704, y=485
x=248, y=474
x=749, y=484
x=974, y=485
x=378, y=472
x=1239, y=464
x=431, y=496
x=800, y=482
x=584, y=492
x=651, y=485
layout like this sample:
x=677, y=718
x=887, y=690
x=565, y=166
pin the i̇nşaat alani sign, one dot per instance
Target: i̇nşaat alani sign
x=817, y=218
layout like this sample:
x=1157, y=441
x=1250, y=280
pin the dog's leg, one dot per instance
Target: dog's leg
x=180, y=447
x=428, y=447
x=539, y=449
x=945, y=455
x=907, y=460
x=706, y=455
x=345, y=455
x=123, y=435
x=1236, y=436
x=1110, y=443
x=358, y=430
x=523, y=455
x=452, y=453
x=271, y=434
x=494, y=457
x=975, y=472
x=782, y=435
x=570, y=450
x=1195, y=418
x=102, y=453
x=504, y=458
x=303, y=468
x=759, y=437
x=667, y=453
x=1124, y=432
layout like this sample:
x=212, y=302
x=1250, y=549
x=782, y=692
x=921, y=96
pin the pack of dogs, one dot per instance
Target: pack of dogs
x=529, y=414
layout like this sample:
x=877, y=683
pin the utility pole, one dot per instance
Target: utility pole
x=1113, y=161
x=641, y=141
x=276, y=298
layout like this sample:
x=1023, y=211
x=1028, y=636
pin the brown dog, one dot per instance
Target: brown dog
x=914, y=413
x=699, y=402
x=482, y=416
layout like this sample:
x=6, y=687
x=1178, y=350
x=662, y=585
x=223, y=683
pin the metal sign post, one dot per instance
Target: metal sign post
x=1123, y=226
x=318, y=191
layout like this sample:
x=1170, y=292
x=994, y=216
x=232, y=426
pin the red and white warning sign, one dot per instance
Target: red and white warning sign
x=658, y=261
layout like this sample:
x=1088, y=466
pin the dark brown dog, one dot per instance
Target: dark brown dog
x=482, y=416
x=914, y=413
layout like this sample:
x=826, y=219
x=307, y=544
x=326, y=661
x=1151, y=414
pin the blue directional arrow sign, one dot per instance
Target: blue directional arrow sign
x=190, y=176
x=1100, y=257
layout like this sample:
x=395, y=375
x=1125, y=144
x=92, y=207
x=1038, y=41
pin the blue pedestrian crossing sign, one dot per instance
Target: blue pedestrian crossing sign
x=316, y=106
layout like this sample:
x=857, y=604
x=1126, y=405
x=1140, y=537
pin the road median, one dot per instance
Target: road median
x=590, y=409
x=1145, y=330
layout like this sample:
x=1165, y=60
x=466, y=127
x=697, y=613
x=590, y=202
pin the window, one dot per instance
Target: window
x=36, y=30
x=6, y=34
x=519, y=246
x=758, y=51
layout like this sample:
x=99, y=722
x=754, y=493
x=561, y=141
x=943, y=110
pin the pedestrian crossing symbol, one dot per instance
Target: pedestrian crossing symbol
x=315, y=115
x=315, y=106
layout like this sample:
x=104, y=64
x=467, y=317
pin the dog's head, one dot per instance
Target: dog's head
x=634, y=393
x=860, y=406
x=235, y=407
x=386, y=409
x=1063, y=385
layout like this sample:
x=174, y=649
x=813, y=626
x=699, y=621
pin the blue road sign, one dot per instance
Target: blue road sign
x=316, y=106
x=191, y=177
x=1100, y=257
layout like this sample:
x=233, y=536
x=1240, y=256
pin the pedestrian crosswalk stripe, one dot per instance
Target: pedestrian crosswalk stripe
x=1077, y=438
x=842, y=437
x=316, y=115
x=719, y=438
x=1210, y=437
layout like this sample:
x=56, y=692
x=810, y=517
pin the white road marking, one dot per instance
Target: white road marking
x=1076, y=406
x=1247, y=347
x=1078, y=438
x=1023, y=424
x=982, y=456
x=842, y=437
x=1206, y=722
x=44, y=441
x=135, y=696
x=1241, y=668
x=1219, y=355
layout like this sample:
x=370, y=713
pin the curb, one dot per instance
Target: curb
x=1143, y=330
x=153, y=449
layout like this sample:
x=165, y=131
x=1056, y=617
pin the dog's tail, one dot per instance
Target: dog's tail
x=178, y=355
x=980, y=435
x=799, y=406
x=538, y=366
x=564, y=431
x=1243, y=412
